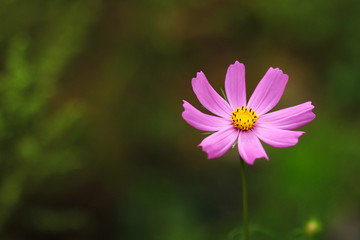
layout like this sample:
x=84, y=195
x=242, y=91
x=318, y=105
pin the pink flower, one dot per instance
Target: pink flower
x=244, y=121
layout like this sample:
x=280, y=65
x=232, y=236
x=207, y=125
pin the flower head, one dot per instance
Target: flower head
x=246, y=121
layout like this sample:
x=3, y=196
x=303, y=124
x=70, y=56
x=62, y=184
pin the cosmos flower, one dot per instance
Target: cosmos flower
x=246, y=122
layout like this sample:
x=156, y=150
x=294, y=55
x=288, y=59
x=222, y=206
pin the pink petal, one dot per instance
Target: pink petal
x=269, y=91
x=250, y=147
x=277, y=137
x=209, y=98
x=235, y=85
x=289, y=118
x=203, y=121
x=217, y=144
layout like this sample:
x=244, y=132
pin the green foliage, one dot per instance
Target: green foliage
x=36, y=139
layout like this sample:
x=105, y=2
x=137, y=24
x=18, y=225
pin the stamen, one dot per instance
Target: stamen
x=244, y=118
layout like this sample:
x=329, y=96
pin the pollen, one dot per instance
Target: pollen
x=244, y=118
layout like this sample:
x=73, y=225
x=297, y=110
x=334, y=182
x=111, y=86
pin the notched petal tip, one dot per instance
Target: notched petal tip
x=238, y=64
x=250, y=162
x=298, y=138
x=208, y=151
x=286, y=77
x=311, y=105
x=275, y=69
x=185, y=104
x=253, y=161
x=300, y=133
x=311, y=108
x=200, y=74
x=205, y=150
x=314, y=116
x=279, y=71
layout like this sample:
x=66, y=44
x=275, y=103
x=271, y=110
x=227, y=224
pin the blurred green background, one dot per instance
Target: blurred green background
x=93, y=146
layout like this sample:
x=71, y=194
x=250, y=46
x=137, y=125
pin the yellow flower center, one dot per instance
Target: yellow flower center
x=244, y=118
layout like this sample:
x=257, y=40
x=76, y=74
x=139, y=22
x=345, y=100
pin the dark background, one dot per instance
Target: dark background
x=93, y=146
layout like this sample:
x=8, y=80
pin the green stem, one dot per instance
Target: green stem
x=245, y=207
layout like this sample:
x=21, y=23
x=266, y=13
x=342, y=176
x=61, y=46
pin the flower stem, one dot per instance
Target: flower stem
x=245, y=207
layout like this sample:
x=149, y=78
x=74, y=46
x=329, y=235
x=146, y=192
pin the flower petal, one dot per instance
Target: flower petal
x=269, y=91
x=289, y=118
x=250, y=147
x=235, y=85
x=209, y=98
x=203, y=121
x=217, y=144
x=277, y=137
